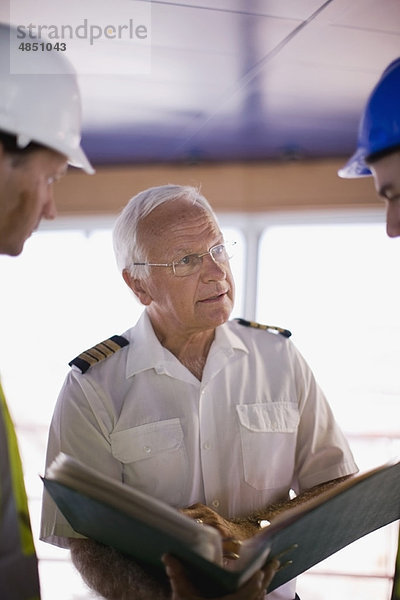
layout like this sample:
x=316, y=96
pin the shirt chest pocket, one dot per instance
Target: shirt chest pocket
x=268, y=434
x=154, y=458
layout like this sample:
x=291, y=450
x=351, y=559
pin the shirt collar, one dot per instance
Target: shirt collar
x=223, y=350
x=226, y=339
x=145, y=351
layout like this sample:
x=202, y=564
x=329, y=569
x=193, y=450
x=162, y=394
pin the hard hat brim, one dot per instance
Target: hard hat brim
x=355, y=167
x=77, y=158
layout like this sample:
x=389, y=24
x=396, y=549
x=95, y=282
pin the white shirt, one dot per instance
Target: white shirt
x=254, y=427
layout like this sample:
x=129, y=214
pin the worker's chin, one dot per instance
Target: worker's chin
x=12, y=247
x=215, y=317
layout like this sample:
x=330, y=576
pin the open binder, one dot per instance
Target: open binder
x=145, y=528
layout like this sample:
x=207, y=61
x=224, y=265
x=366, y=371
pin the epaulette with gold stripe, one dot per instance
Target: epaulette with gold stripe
x=285, y=332
x=99, y=352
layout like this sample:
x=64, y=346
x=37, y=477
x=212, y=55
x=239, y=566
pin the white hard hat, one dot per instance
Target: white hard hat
x=42, y=108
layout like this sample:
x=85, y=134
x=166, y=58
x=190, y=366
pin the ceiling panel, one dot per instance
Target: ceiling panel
x=236, y=79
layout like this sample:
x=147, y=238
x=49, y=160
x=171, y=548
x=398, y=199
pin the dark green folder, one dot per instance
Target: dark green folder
x=306, y=534
x=319, y=528
x=146, y=544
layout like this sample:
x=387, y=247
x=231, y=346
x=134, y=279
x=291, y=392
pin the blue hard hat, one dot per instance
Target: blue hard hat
x=379, y=128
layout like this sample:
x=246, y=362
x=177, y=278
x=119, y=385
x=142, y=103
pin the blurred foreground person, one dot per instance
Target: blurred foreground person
x=39, y=135
x=378, y=154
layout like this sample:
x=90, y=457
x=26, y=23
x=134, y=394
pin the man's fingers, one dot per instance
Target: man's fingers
x=269, y=571
x=255, y=588
x=181, y=587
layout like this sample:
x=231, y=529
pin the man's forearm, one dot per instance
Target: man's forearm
x=114, y=575
x=250, y=524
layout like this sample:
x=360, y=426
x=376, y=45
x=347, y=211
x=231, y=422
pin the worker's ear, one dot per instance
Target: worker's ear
x=6, y=160
x=2, y=152
x=138, y=287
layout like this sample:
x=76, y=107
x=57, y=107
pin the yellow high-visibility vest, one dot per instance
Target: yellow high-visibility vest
x=19, y=579
x=396, y=578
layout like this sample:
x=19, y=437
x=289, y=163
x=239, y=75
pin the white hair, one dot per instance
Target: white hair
x=127, y=247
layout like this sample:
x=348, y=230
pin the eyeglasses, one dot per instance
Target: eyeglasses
x=191, y=263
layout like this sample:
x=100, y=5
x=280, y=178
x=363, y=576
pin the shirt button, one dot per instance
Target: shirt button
x=215, y=503
x=206, y=445
x=147, y=449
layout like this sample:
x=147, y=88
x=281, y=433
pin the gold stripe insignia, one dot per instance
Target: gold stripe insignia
x=285, y=332
x=98, y=353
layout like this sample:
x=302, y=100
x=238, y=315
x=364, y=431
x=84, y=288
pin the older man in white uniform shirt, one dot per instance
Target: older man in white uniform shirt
x=192, y=408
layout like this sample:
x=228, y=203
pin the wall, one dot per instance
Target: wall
x=251, y=187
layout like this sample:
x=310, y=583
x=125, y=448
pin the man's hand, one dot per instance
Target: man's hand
x=183, y=589
x=228, y=529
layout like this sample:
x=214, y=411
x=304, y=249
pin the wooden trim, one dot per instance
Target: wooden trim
x=249, y=187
